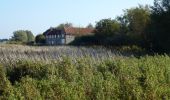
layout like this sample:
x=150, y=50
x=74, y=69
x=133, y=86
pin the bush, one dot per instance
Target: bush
x=26, y=68
x=85, y=40
x=146, y=78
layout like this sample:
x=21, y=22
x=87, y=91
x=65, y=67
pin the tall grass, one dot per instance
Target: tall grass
x=113, y=77
x=13, y=53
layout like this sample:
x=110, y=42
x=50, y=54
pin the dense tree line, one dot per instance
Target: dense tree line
x=159, y=29
x=27, y=37
x=127, y=29
x=144, y=26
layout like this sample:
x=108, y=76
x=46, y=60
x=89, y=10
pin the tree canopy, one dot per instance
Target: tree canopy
x=107, y=27
x=23, y=36
x=20, y=36
x=159, y=32
x=40, y=39
x=138, y=19
x=30, y=36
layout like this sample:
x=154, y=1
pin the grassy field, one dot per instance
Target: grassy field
x=81, y=73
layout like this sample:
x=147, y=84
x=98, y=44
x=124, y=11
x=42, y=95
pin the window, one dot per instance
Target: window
x=52, y=42
x=62, y=41
x=62, y=35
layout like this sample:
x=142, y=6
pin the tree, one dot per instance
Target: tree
x=23, y=36
x=30, y=36
x=65, y=25
x=138, y=20
x=90, y=26
x=124, y=24
x=160, y=6
x=159, y=30
x=40, y=39
x=107, y=27
x=20, y=36
x=133, y=25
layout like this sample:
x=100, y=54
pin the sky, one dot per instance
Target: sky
x=39, y=15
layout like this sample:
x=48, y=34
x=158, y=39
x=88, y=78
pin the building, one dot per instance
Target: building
x=65, y=35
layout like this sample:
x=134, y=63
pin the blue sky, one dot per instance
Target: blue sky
x=39, y=15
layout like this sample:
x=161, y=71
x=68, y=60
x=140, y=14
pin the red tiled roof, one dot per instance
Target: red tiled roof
x=78, y=31
x=70, y=31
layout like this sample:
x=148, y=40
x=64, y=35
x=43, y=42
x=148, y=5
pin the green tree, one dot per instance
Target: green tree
x=124, y=24
x=138, y=19
x=20, y=36
x=23, y=36
x=133, y=25
x=30, y=36
x=107, y=28
x=159, y=33
x=40, y=39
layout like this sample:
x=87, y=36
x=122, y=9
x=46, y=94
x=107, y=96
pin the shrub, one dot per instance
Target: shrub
x=145, y=78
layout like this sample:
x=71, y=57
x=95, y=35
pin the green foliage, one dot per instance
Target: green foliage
x=26, y=68
x=40, y=39
x=107, y=27
x=138, y=19
x=5, y=86
x=30, y=36
x=128, y=29
x=3, y=79
x=146, y=78
x=22, y=36
x=134, y=24
x=158, y=35
x=85, y=40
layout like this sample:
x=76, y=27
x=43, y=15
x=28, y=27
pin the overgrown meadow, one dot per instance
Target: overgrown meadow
x=81, y=73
